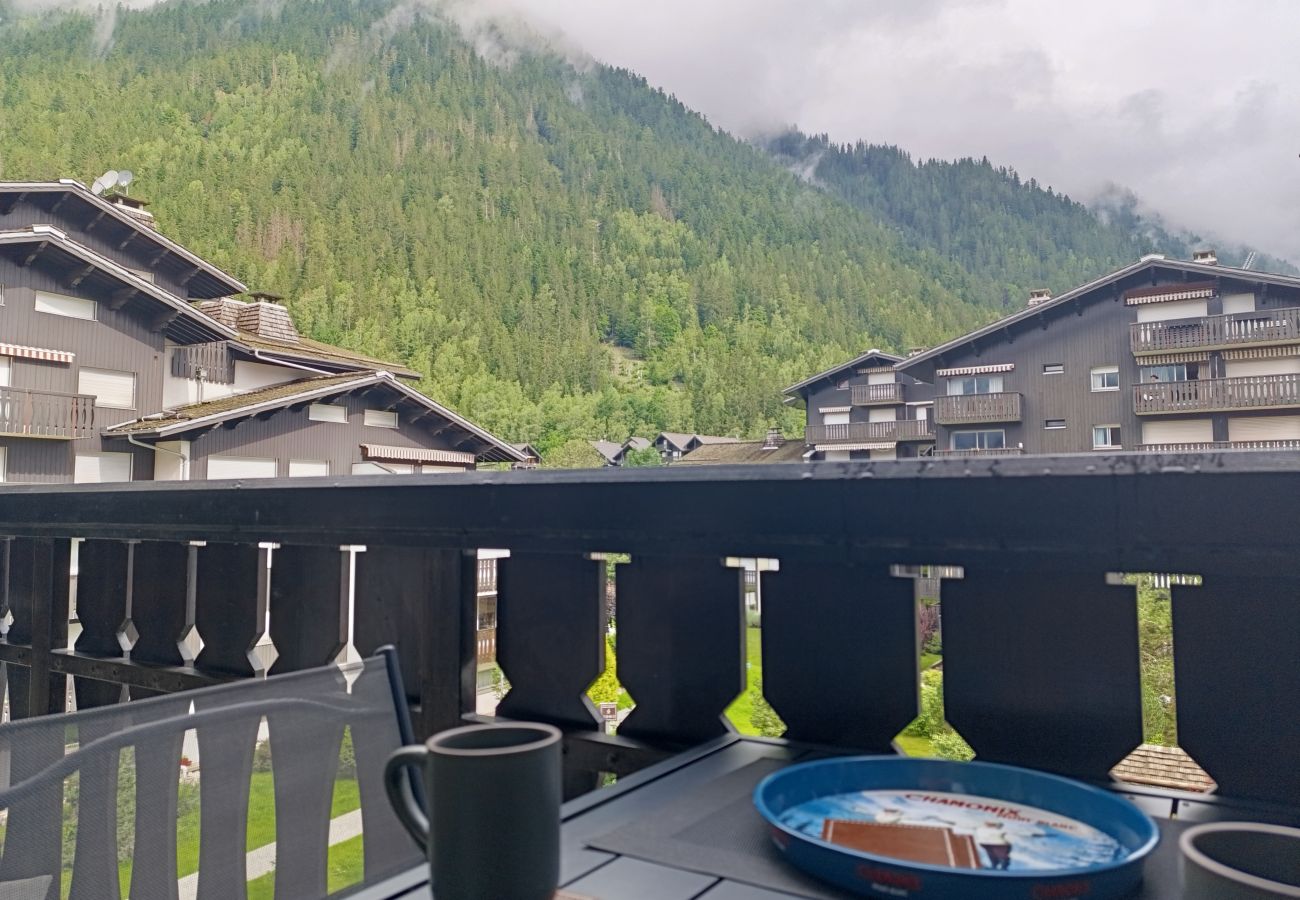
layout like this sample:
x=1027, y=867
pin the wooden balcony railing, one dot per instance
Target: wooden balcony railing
x=973, y=409
x=874, y=394
x=46, y=414
x=859, y=432
x=1041, y=658
x=1210, y=394
x=1259, y=328
x=1204, y=446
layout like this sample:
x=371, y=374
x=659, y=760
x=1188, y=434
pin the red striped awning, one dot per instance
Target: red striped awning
x=58, y=356
x=382, y=453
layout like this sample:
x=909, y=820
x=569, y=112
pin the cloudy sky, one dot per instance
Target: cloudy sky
x=1195, y=106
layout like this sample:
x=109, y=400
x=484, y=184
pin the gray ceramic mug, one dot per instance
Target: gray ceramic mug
x=494, y=798
x=1240, y=861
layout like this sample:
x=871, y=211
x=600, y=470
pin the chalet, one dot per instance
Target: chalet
x=610, y=453
x=865, y=409
x=773, y=449
x=673, y=445
x=124, y=356
x=1161, y=355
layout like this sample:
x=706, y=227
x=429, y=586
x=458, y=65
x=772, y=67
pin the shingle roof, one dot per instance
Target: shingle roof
x=608, y=450
x=742, y=453
x=715, y=439
x=236, y=402
x=309, y=350
x=636, y=443
x=1168, y=767
x=182, y=419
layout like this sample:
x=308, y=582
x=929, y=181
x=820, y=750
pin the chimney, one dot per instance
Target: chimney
x=133, y=207
x=1206, y=257
x=774, y=439
x=264, y=317
x=1039, y=295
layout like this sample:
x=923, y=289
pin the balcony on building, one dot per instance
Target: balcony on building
x=1217, y=394
x=877, y=394
x=1259, y=328
x=974, y=409
x=868, y=432
x=982, y=451
x=46, y=414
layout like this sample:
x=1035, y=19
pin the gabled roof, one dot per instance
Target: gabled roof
x=636, y=443
x=307, y=351
x=715, y=439
x=887, y=359
x=743, y=453
x=187, y=324
x=676, y=439
x=214, y=412
x=608, y=450
x=1202, y=271
x=208, y=281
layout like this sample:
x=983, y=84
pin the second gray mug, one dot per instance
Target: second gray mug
x=494, y=792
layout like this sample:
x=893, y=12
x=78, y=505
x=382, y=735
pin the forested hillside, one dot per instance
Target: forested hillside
x=1007, y=233
x=564, y=254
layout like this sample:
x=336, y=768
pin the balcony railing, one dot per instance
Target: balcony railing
x=1041, y=657
x=46, y=414
x=1207, y=446
x=1210, y=394
x=1258, y=329
x=970, y=409
x=860, y=432
x=992, y=451
x=872, y=394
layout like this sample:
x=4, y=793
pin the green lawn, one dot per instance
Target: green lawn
x=346, y=867
x=739, y=711
x=914, y=745
x=929, y=659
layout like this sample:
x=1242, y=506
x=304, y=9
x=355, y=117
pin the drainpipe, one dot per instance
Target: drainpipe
x=130, y=439
x=257, y=354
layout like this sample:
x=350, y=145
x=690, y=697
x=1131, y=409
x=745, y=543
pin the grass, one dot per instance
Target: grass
x=914, y=745
x=742, y=708
x=929, y=659
x=346, y=867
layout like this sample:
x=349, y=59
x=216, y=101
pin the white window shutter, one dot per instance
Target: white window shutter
x=240, y=467
x=111, y=389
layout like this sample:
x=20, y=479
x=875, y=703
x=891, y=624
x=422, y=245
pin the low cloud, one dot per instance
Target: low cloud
x=1197, y=110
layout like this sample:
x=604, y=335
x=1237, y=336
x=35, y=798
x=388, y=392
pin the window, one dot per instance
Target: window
x=377, y=468
x=978, y=440
x=1176, y=372
x=838, y=418
x=305, y=468
x=1105, y=437
x=1053, y=368
x=60, y=305
x=1105, y=378
x=4, y=371
x=325, y=412
x=96, y=468
x=975, y=384
x=842, y=384
x=115, y=390
x=240, y=467
x=1054, y=424
x=381, y=418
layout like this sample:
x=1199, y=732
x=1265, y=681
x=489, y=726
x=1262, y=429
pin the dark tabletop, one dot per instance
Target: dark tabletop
x=685, y=828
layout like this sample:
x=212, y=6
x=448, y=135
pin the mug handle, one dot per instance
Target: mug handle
x=402, y=798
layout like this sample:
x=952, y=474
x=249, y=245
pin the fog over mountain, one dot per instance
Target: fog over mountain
x=1195, y=108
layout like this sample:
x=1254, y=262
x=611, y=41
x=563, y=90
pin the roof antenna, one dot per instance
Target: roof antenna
x=1250, y=260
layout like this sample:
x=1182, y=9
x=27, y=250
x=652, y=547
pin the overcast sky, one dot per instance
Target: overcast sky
x=1195, y=106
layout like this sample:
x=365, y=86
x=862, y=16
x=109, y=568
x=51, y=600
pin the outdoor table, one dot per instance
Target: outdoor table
x=685, y=828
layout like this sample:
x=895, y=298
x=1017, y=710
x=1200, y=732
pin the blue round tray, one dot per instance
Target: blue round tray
x=942, y=830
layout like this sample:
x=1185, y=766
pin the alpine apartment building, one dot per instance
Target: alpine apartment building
x=1161, y=355
x=124, y=356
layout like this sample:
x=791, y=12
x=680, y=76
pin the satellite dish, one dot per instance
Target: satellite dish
x=125, y=177
x=110, y=179
x=97, y=188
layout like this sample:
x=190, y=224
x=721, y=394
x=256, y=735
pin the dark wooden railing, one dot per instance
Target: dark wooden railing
x=46, y=414
x=1208, y=394
x=855, y=432
x=869, y=394
x=991, y=451
x=968, y=409
x=210, y=362
x=1259, y=328
x=1041, y=655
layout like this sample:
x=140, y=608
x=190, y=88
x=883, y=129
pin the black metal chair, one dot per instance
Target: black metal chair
x=85, y=793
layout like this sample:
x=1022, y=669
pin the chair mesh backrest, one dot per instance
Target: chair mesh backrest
x=193, y=794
